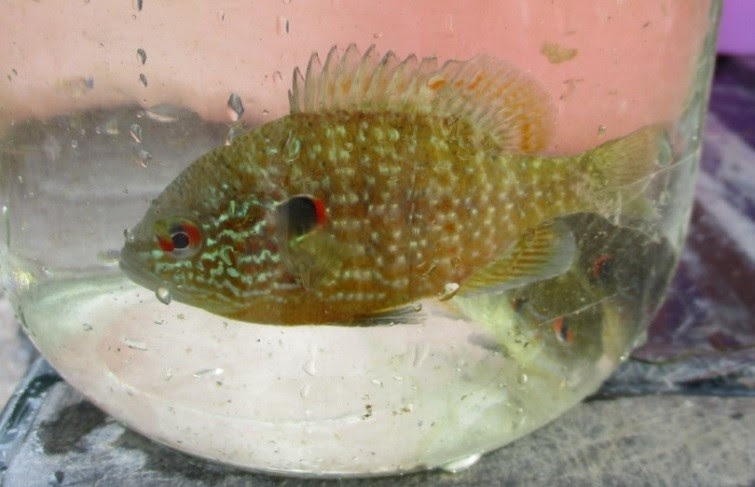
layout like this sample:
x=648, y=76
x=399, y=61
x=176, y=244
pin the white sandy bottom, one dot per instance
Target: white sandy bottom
x=310, y=399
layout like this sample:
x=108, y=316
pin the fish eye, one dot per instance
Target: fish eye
x=602, y=266
x=563, y=331
x=180, y=238
x=299, y=215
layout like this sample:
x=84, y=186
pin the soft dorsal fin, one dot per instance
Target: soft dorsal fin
x=487, y=93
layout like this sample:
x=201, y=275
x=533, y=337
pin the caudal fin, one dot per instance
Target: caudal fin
x=627, y=160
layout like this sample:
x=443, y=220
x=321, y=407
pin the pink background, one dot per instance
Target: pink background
x=634, y=61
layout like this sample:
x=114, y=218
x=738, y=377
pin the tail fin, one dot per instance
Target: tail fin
x=621, y=162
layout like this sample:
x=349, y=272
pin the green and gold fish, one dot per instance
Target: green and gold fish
x=388, y=180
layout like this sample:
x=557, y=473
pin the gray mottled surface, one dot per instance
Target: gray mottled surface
x=650, y=440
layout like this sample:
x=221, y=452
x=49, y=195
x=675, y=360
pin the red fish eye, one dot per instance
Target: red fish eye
x=601, y=266
x=181, y=239
x=562, y=330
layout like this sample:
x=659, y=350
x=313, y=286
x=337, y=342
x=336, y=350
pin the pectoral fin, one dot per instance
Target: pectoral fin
x=545, y=251
x=313, y=256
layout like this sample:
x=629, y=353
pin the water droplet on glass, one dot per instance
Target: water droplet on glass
x=134, y=344
x=144, y=158
x=417, y=307
x=129, y=236
x=221, y=15
x=377, y=35
x=235, y=107
x=601, y=129
x=522, y=378
x=449, y=291
x=137, y=4
x=74, y=143
x=277, y=77
x=141, y=56
x=455, y=262
x=163, y=295
x=87, y=327
x=143, y=79
x=283, y=27
x=229, y=136
x=164, y=113
x=304, y=390
x=136, y=132
x=286, y=1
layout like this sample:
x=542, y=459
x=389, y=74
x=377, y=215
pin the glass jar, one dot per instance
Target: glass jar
x=580, y=121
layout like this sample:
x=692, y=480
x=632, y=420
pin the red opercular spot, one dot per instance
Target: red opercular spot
x=320, y=212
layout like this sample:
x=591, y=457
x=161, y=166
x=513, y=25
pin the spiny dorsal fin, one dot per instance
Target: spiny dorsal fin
x=486, y=93
x=545, y=251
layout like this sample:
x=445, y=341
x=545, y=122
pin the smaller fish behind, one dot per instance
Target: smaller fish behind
x=598, y=306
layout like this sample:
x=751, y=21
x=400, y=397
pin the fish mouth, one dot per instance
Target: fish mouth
x=137, y=273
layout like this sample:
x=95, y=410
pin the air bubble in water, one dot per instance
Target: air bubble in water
x=310, y=366
x=449, y=291
x=208, y=372
x=141, y=55
x=235, y=107
x=163, y=295
x=136, y=132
